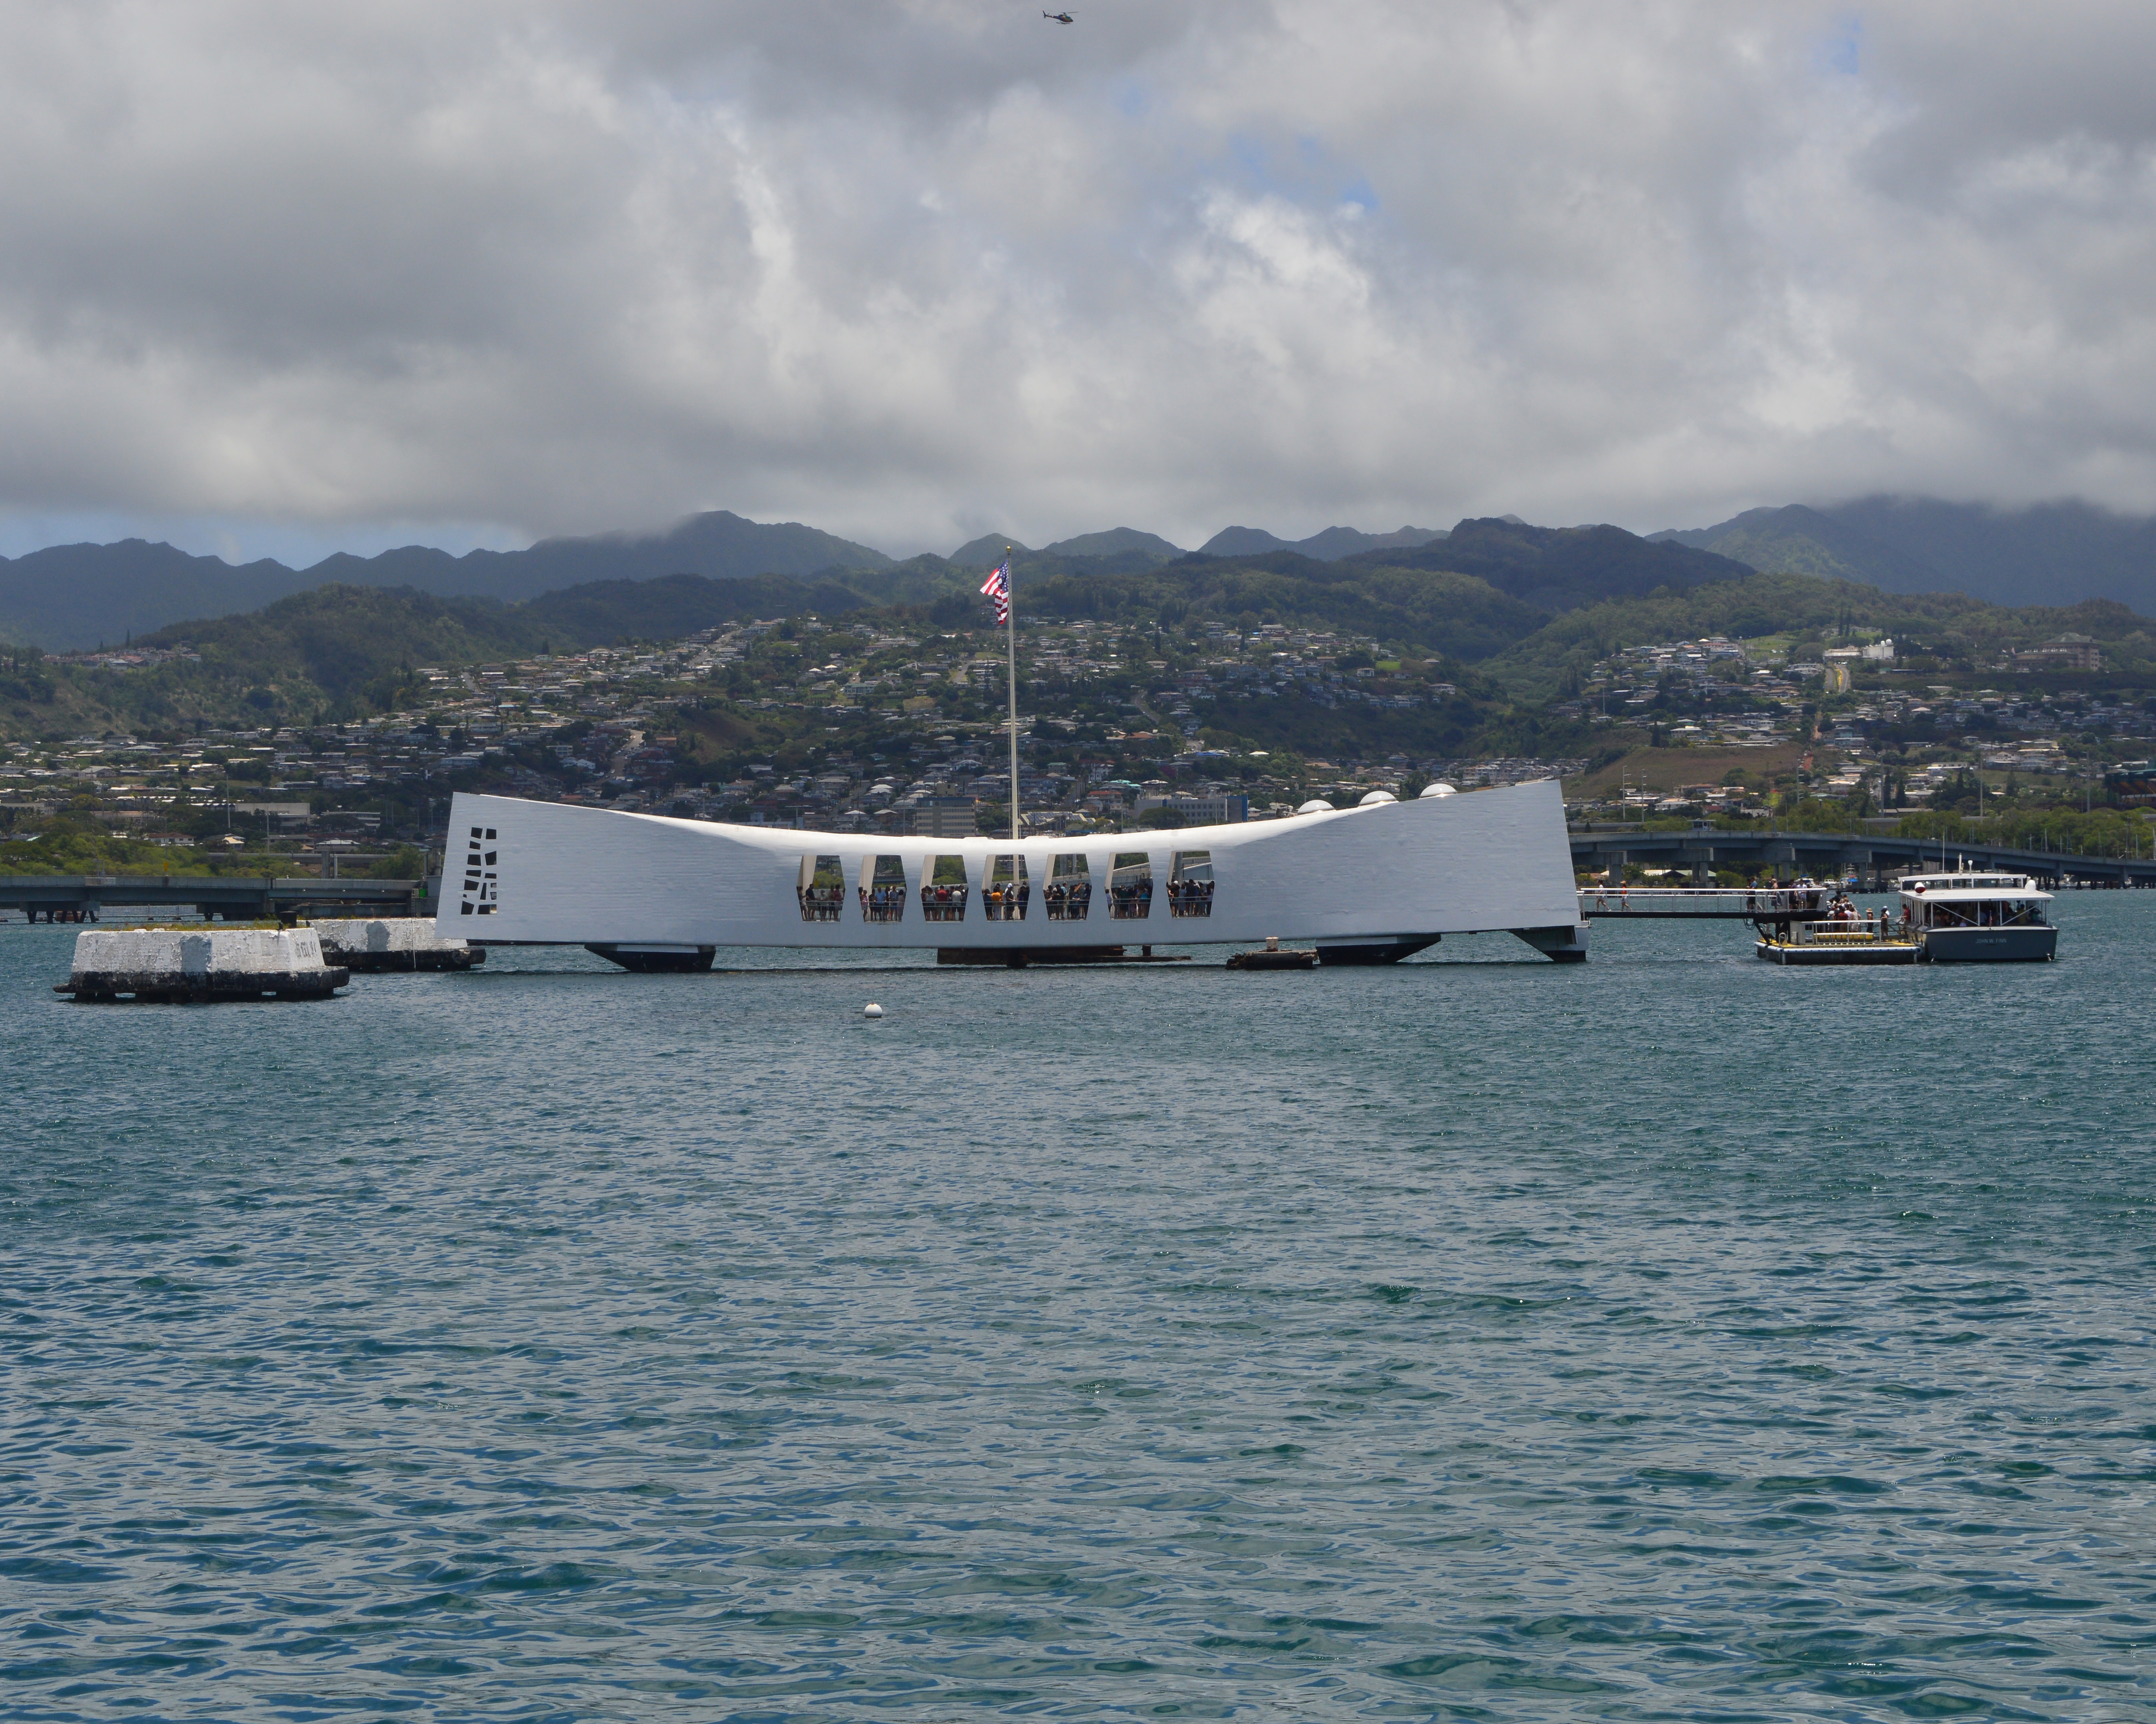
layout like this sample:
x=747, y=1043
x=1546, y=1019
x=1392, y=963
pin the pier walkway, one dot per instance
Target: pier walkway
x=1874, y=859
x=1703, y=903
x=79, y=897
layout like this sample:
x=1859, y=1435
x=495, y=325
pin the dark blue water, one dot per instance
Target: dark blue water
x=1671, y=1336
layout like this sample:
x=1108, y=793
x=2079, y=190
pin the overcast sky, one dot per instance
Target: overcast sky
x=284, y=278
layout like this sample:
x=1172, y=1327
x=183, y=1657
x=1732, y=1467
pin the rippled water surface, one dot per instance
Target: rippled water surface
x=1669, y=1337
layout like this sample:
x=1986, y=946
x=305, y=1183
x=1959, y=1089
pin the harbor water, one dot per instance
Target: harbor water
x=1668, y=1337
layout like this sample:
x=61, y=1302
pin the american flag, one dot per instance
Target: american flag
x=998, y=588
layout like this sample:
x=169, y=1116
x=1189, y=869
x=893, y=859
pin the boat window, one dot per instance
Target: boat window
x=883, y=889
x=823, y=889
x=1009, y=890
x=943, y=890
x=1190, y=883
x=1070, y=893
x=1130, y=886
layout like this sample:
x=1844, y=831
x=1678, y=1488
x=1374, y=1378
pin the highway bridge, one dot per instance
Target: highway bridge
x=1873, y=858
x=83, y=897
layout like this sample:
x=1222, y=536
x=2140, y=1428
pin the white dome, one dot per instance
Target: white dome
x=1377, y=798
x=1439, y=789
x=1315, y=807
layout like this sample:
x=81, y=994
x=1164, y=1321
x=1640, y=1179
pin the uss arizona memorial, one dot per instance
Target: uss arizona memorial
x=1368, y=885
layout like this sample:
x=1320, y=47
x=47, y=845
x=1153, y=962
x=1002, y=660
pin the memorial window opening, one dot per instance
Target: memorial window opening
x=822, y=890
x=943, y=889
x=1190, y=883
x=1009, y=890
x=1068, y=893
x=1130, y=887
x=883, y=889
x=482, y=892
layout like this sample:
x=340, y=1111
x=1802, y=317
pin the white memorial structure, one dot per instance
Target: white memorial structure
x=1367, y=884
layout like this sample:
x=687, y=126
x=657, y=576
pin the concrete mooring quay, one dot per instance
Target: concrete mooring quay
x=179, y=965
x=79, y=897
x=379, y=943
x=1874, y=859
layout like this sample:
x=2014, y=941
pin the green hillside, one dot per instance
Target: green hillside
x=1556, y=569
x=1946, y=630
x=1458, y=616
x=603, y=611
x=336, y=648
x=1529, y=607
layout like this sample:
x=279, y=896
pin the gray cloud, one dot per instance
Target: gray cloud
x=910, y=270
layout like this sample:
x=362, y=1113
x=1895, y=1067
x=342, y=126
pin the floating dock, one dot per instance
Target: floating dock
x=1020, y=957
x=1865, y=942
x=1274, y=957
x=185, y=966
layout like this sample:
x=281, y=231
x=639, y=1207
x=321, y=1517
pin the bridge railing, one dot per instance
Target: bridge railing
x=1878, y=851
x=255, y=893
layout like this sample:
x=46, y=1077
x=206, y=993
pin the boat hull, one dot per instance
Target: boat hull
x=1991, y=945
x=1366, y=884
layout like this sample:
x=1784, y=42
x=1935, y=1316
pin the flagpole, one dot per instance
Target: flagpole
x=1010, y=602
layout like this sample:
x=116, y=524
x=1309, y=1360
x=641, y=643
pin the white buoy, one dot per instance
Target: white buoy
x=871, y=1010
x=1377, y=799
x=1314, y=805
x=1439, y=789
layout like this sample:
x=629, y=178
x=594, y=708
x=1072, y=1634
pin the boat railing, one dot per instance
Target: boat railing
x=820, y=903
x=883, y=904
x=1128, y=904
x=1069, y=904
x=1003, y=903
x=943, y=903
x=1878, y=930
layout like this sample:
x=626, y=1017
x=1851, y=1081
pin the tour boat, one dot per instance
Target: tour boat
x=1367, y=884
x=1946, y=919
x=1979, y=918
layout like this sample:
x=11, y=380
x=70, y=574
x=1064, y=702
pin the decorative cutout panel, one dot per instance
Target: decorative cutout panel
x=482, y=895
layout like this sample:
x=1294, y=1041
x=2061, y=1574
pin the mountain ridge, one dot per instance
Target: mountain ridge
x=68, y=597
x=71, y=596
x=2032, y=555
x=1328, y=546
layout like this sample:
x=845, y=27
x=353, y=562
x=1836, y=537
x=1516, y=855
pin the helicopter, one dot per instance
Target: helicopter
x=1060, y=17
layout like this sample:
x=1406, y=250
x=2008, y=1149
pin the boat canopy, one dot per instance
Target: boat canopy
x=1969, y=886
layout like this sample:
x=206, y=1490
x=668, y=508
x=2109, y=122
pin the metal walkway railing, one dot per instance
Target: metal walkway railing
x=1705, y=903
